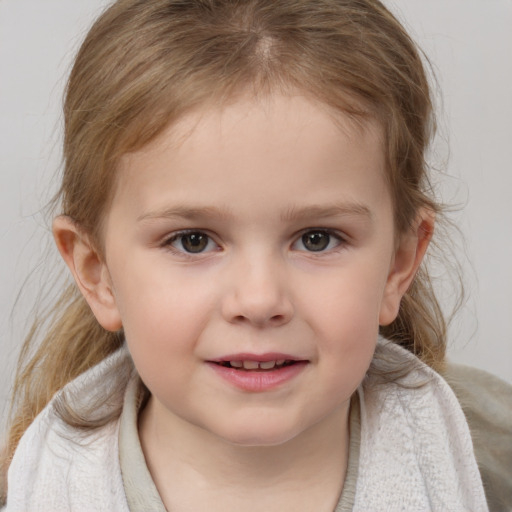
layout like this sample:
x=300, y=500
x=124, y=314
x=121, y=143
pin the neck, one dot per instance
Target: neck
x=192, y=467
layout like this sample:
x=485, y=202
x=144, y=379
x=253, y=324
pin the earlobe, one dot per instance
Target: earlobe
x=89, y=271
x=408, y=257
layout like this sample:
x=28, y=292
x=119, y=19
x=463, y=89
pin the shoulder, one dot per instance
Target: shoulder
x=487, y=404
x=416, y=448
x=58, y=466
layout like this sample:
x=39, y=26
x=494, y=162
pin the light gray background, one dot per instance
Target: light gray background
x=470, y=45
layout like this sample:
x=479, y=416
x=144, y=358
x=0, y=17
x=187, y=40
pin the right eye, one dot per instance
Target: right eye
x=191, y=242
x=318, y=241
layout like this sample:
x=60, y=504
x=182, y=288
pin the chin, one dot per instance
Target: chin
x=255, y=435
x=259, y=442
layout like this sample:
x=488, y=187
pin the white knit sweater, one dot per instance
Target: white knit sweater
x=416, y=452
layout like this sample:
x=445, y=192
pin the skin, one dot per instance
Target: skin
x=251, y=178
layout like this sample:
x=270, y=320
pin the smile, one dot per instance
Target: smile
x=258, y=374
x=257, y=365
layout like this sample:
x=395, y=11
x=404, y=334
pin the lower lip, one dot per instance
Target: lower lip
x=258, y=381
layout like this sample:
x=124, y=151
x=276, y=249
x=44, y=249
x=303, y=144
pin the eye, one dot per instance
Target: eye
x=192, y=242
x=317, y=240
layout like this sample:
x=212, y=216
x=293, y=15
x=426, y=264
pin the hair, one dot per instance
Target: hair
x=146, y=63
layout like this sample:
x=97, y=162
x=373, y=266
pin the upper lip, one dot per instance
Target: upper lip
x=261, y=358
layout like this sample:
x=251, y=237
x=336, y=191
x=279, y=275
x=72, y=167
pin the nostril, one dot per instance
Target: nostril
x=273, y=320
x=256, y=310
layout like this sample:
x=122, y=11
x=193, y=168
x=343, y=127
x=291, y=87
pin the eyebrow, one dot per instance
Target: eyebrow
x=292, y=214
x=295, y=214
x=188, y=213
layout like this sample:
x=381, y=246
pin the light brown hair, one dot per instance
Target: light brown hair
x=145, y=63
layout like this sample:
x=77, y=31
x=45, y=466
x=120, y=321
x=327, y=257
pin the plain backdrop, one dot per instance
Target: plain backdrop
x=469, y=43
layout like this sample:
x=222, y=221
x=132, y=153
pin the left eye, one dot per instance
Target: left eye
x=193, y=242
x=317, y=241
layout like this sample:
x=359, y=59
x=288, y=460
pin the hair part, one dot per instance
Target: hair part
x=146, y=63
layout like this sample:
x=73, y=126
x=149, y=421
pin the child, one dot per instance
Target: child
x=245, y=210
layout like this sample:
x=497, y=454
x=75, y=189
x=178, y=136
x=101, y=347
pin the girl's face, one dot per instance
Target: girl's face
x=251, y=255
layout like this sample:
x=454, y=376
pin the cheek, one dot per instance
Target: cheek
x=163, y=329
x=347, y=302
x=345, y=321
x=162, y=314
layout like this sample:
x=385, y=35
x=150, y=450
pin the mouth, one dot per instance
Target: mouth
x=258, y=373
x=261, y=366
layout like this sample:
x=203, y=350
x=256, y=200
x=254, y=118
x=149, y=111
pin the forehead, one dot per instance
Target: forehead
x=285, y=145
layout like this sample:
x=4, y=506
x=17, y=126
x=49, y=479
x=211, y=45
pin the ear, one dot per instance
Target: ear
x=407, y=259
x=89, y=270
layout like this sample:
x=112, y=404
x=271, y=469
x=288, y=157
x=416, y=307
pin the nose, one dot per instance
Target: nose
x=257, y=293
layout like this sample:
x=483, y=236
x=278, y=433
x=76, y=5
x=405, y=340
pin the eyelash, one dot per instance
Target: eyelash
x=340, y=241
x=168, y=242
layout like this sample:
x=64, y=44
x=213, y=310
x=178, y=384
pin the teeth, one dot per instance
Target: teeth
x=256, y=365
x=251, y=365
